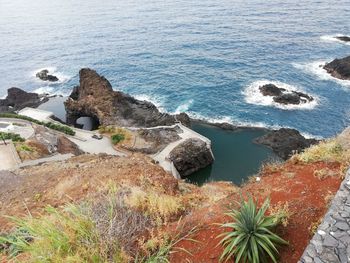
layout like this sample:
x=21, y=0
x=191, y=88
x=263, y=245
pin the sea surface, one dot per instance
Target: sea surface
x=204, y=57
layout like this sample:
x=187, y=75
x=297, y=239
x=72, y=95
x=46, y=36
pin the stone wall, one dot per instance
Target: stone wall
x=331, y=243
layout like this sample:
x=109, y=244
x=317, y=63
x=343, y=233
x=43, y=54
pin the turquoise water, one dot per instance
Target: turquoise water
x=236, y=156
x=204, y=57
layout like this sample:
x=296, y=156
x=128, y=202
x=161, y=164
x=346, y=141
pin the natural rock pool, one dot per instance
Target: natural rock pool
x=236, y=156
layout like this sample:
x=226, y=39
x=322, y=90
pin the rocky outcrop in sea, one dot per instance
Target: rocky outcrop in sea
x=343, y=38
x=18, y=99
x=45, y=76
x=283, y=96
x=285, y=142
x=95, y=97
x=339, y=68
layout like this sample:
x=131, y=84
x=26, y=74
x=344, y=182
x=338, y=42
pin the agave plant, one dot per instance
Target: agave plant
x=251, y=238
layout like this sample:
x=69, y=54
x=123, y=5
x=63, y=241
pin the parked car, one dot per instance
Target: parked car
x=97, y=136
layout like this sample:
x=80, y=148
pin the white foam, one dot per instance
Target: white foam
x=184, y=107
x=254, y=96
x=332, y=38
x=62, y=78
x=227, y=119
x=153, y=99
x=316, y=68
x=49, y=90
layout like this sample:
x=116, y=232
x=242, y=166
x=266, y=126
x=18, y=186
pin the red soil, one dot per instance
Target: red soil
x=307, y=197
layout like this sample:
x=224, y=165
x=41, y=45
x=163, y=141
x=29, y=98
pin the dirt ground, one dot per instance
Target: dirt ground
x=306, y=189
x=307, y=196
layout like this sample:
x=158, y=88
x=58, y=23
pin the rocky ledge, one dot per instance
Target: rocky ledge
x=283, y=96
x=95, y=98
x=18, y=99
x=190, y=156
x=339, y=68
x=45, y=76
x=284, y=142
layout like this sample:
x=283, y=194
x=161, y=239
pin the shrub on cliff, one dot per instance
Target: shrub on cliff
x=251, y=238
x=58, y=127
x=11, y=136
x=117, y=138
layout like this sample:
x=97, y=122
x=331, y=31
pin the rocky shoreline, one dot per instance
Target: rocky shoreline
x=95, y=98
x=339, y=68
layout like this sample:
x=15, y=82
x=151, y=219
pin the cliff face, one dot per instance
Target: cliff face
x=94, y=97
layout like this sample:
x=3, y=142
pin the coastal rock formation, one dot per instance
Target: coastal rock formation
x=343, y=38
x=339, y=68
x=45, y=76
x=284, y=142
x=190, y=156
x=18, y=99
x=283, y=96
x=95, y=98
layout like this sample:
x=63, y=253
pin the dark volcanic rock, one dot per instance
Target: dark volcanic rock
x=95, y=98
x=45, y=76
x=288, y=98
x=18, y=99
x=339, y=68
x=283, y=96
x=284, y=142
x=271, y=90
x=343, y=38
x=190, y=156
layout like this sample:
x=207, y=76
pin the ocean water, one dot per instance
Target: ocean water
x=236, y=155
x=204, y=57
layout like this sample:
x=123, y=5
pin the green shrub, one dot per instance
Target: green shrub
x=117, y=138
x=251, y=238
x=11, y=136
x=58, y=127
x=61, y=236
x=61, y=128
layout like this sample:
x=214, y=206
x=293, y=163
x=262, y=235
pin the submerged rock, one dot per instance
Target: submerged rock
x=343, y=38
x=190, y=156
x=45, y=76
x=339, y=68
x=284, y=142
x=283, y=96
x=95, y=98
x=18, y=99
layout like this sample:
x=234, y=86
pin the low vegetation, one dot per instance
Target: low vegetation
x=11, y=136
x=251, y=238
x=58, y=127
x=117, y=134
x=117, y=138
x=118, y=226
x=326, y=151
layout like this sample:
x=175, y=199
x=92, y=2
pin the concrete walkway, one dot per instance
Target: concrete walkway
x=18, y=126
x=8, y=156
x=54, y=158
x=162, y=157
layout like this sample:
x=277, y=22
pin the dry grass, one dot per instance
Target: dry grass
x=326, y=151
x=325, y=173
x=281, y=212
x=160, y=207
x=314, y=225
